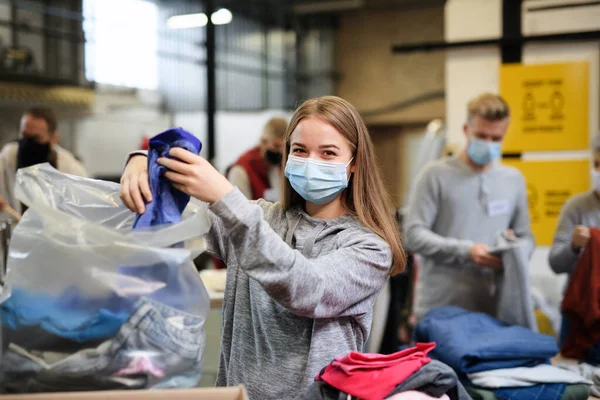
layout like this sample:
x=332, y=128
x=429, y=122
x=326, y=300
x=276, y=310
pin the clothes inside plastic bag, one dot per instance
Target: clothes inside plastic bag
x=128, y=302
x=168, y=203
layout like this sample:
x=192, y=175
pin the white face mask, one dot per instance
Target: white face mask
x=596, y=179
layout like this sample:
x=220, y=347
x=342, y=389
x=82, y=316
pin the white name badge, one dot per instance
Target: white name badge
x=497, y=208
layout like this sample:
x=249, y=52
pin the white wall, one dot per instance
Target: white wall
x=104, y=140
x=468, y=72
x=472, y=71
x=559, y=20
x=472, y=19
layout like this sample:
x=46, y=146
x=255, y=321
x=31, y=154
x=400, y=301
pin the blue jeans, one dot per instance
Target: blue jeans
x=163, y=343
x=474, y=342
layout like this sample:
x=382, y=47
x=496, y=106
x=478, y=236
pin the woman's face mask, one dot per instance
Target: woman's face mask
x=318, y=182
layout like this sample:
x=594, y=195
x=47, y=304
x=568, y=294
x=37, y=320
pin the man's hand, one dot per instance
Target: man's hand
x=480, y=256
x=581, y=237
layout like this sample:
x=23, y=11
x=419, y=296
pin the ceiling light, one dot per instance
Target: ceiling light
x=221, y=17
x=187, y=21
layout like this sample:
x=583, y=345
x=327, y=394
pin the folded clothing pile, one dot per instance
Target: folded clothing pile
x=586, y=371
x=506, y=362
x=408, y=374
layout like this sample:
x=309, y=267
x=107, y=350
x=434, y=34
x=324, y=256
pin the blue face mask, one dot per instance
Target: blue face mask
x=482, y=152
x=318, y=182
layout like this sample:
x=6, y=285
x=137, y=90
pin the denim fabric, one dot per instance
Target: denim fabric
x=474, y=342
x=168, y=203
x=539, y=392
x=70, y=315
x=171, y=340
x=572, y=392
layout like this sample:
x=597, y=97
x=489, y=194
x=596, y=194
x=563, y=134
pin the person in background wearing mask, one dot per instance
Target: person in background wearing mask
x=257, y=173
x=303, y=273
x=580, y=213
x=457, y=208
x=37, y=144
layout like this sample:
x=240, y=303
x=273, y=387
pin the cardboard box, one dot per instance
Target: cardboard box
x=232, y=393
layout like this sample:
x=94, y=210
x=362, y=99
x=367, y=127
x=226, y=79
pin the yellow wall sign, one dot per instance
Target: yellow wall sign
x=549, y=185
x=549, y=106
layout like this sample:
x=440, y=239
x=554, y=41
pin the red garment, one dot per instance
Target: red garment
x=145, y=144
x=581, y=304
x=256, y=168
x=374, y=376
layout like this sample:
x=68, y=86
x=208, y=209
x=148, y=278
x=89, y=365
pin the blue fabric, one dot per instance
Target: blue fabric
x=168, y=203
x=474, y=342
x=553, y=391
x=171, y=285
x=71, y=315
x=74, y=315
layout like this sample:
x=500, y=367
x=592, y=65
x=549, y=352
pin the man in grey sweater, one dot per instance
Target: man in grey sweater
x=579, y=214
x=457, y=208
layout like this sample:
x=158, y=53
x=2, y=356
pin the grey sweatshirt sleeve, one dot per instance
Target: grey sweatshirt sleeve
x=420, y=217
x=343, y=282
x=562, y=257
x=520, y=222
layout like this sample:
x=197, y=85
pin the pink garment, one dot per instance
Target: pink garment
x=141, y=364
x=374, y=376
x=413, y=395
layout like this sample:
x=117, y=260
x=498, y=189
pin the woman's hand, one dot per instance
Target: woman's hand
x=195, y=176
x=134, y=184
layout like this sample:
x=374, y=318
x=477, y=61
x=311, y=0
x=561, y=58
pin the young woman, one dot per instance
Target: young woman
x=302, y=274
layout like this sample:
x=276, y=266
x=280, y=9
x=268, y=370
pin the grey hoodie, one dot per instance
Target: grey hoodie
x=290, y=308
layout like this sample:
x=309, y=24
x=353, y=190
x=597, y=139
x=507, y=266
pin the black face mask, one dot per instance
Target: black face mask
x=274, y=157
x=31, y=153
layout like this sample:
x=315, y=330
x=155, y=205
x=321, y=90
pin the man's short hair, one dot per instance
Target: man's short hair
x=275, y=128
x=46, y=114
x=488, y=106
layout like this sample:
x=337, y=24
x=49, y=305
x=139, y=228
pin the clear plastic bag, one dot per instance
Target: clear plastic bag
x=90, y=304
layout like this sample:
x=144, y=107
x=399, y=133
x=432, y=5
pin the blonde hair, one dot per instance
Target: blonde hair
x=275, y=128
x=366, y=196
x=488, y=106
